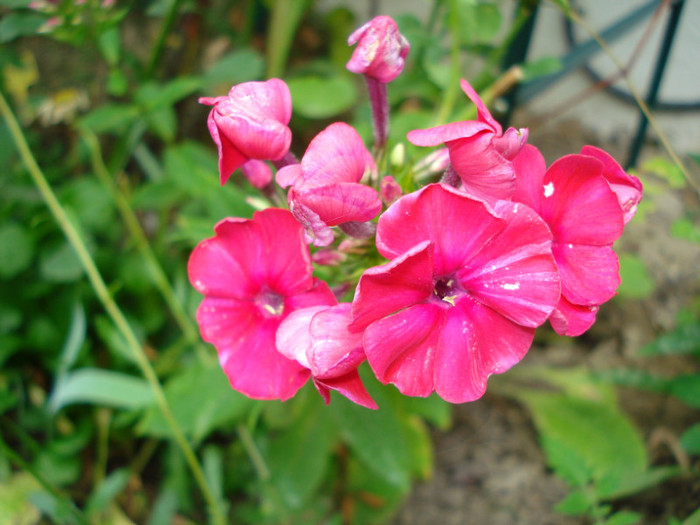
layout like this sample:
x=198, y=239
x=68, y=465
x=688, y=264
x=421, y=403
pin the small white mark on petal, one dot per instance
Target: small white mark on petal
x=549, y=189
x=511, y=286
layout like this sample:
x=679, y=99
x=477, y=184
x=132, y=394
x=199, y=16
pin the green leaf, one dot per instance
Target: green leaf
x=431, y=408
x=299, y=457
x=690, y=440
x=163, y=122
x=107, y=491
x=240, y=65
x=635, y=281
x=667, y=170
x=20, y=23
x=693, y=519
x=634, y=378
x=624, y=517
x=375, y=436
x=316, y=97
x=102, y=387
x=16, y=249
x=201, y=400
x=574, y=504
x=683, y=228
x=685, y=339
x=597, y=434
x=59, y=263
x=686, y=388
x=622, y=487
x=74, y=340
x=540, y=67
x=110, y=118
x=15, y=507
x=153, y=96
x=110, y=44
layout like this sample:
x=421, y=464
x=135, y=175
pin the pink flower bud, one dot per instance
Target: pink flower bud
x=389, y=190
x=381, y=50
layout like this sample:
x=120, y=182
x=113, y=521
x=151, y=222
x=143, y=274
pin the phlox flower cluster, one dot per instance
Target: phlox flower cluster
x=474, y=262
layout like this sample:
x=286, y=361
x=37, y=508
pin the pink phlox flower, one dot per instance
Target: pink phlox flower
x=325, y=188
x=250, y=123
x=628, y=188
x=465, y=287
x=253, y=274
x=318, y=339
x=381, y=50
x=583, y=212
x=480, y=153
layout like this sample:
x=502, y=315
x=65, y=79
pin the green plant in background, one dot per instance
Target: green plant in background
x=87, y=433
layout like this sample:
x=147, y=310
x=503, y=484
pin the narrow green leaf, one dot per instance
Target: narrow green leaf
x=634, y=378
x=102, y=387
x=110, y=118
x=74, y=340
x=16, y=249
x=624, y=517
x=685, y=339
x=621, y=487
x=686, y=388
x=107, y=491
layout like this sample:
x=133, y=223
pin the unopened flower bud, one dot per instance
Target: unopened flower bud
x=381, y=50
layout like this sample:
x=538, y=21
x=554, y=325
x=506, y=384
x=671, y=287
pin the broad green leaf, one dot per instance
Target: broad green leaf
x=299, y=457
x=201, y=400
x=634, y=378
x=622, y=487
x=596, y=433
x=102, y=387
x=690, y=440
x=432, y=408
x=667, y=170
x=110, y=45
x=693, y=519
x=420, y=444
x=635, y=281
x=686, y=388
x=375, y=436
x=163, y=122
x=624, y=517
x=685, y=339
x=153, y=96
x=240, y=65
x=91, y=203
x=16, y=249
x=318, y=97
x=110, y=118
x=575, y=503
x=20, y=23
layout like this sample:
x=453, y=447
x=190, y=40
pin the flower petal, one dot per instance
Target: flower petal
x=336, y=351
x=268, y=99
x=230, y=159
x=257, y=172
x=530, y=167
x=447, y=132
x=482, y=112
x=293, y=338
x=386, y=289
x=350, y=385
x=342, y=202
x=572, y=319
x=475, y=342
x=515, y=272
x=401, y=348
x=589, y=274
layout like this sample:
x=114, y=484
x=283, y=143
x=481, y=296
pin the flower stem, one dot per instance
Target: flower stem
x=136, y=231
x=380, y=111
x=113, y=310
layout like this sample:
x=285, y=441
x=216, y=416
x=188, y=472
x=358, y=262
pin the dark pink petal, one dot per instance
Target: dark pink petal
x=485, y=173
x=230, y=159
x=447, y=132
x=578, y=203
x=482, y=112
x=530, y=167
x=349, y=385
x=386, y=289
x=389, y=189
x=336, y=154
x=401, y=348
x=511, y=142
x=271, y=249
x=315, y=230
x=318, y=294
x=476, y=342
x=572, y=319
x=335, y=351
x=269, y=99
x=341, y=202
x=627, y=187
x=245, y=342
x=515, y=272
x=457, y=224
x=589, y=274
x=257, y=172
x=256, y=138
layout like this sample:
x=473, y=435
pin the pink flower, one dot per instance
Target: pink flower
x=250, y=123
x=253, y=274
x=627, y=187
x=325, y=189
x=318, y=338
x=257, y=172
x=460, y=299
x=381, y=50
x=583, y=212
x=480, y=152
x=389, y=189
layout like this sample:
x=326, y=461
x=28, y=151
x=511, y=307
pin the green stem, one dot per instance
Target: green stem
x=286, y=15
x=452, y=92
x=157, y=49
x=136, y=231
x=113, y=310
